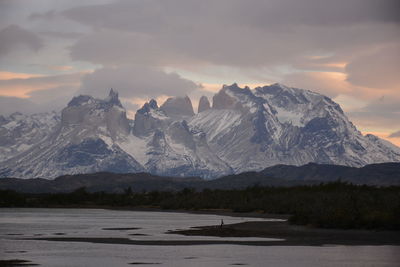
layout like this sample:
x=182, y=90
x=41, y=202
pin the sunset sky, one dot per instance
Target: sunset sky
x=348, y=50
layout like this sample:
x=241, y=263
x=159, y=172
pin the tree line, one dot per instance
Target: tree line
x=332, y=205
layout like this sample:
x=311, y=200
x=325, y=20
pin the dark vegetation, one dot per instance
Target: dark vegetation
x=383, y=174
x=331, y=205
x=16, y=262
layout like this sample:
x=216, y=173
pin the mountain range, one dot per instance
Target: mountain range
x=382, y=174
x=242, y=130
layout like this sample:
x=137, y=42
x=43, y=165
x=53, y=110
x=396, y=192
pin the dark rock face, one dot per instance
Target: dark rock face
x=223, y=101
x=113, y=99
x=178, y=107
x=204, y=104
x=94, y=152
x=79, y=100
x=88, y=112
x=83, y=154
x=148, y=119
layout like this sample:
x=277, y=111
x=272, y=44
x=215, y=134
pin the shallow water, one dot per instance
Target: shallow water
x=19, y=224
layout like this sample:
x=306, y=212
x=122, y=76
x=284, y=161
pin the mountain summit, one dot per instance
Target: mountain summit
x=243, y=130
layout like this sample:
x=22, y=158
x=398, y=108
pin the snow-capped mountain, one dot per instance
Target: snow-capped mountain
x=19, y=132
x=243, y=130
x=164, y=144
x=83, y=142
x=254, y=129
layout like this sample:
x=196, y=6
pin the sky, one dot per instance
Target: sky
x=348, y=50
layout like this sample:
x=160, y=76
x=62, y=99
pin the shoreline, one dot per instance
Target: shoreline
x=295, y=235
x=288, y=236
x=220, y=212
x=291, y=235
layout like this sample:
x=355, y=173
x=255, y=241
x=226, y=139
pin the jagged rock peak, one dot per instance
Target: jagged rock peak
x=178, y=107
x=152, y=104
x=79, y=100
x=223, y=99
x=113, y=98
x=233, y=85
x=204, y=104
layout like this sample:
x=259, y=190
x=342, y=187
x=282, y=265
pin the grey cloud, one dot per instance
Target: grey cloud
x=382, y=112
x=229, y=32
x=133, y=81
x=38, y=101
x=370, y=120
x=9, y=105
x=49, y=15
x=48, y=93
x=156, y=15
x=53, y=98
x=14, y=36
x=386, y=103
x=379, y=69
x=128, y=105
x=395, y=134
x=59, y=34
x=113, y=47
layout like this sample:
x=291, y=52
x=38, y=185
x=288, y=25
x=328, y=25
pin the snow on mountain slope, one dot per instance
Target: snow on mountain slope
x=83, y=142
x=167, y=146
x=243, y=130
x=20, y=132
x=280, y=125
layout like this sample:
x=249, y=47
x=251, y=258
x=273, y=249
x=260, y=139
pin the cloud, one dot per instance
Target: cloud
x=49, y=15
x=53, y=98
x=114, y=47
x=7, y=75
x=346, y=49
x=328, y=83
x=158, y=14
x=135, y=81
x=12, y=37
x=232, y=32
x=9, y=105
x=381, y=113
x=65, y=35
x=379, y=69
x=20, y=87
x=395, y=134
x=44, y=93
x=28, y=93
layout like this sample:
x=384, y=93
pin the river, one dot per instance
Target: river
x=20, y=229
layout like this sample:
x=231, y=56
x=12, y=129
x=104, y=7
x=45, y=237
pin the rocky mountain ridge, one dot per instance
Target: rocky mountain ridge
x=242, y=130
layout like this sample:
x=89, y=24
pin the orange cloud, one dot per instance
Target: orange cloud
x=328, y=83
x=6, y=75
x=20, y=85
x=60, y=68
x=340, y=65
x=211, y=87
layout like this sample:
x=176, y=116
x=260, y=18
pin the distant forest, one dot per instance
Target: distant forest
x=332, y=205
